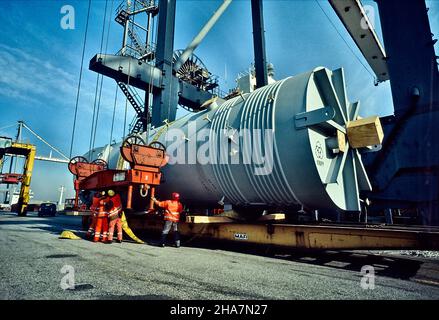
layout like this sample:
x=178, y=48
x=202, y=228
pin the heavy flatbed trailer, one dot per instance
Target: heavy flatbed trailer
x=270, y=231
x=303, y=236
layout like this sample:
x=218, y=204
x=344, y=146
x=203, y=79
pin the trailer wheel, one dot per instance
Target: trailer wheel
x=133, y=139
x=157, y=145
x=75, y=160
x=102, y=163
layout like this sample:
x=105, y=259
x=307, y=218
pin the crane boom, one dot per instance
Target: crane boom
x=354, y=18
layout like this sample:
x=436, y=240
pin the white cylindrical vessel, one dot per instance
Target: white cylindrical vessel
x=273, y=147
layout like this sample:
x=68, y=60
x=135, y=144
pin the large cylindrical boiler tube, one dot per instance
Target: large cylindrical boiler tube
x=280, y=146
x=273, y=147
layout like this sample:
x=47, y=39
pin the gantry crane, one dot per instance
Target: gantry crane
x=12, y=149
x=404, y=173
x=8, y=147
x=159, y=71
x=409, y=157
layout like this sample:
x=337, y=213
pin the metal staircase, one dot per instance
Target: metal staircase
x=140, y=120
x=145, y=51
x=138, y=44
x=124, y=10
x=124, y=16
x=138, y=49
x=136, y=125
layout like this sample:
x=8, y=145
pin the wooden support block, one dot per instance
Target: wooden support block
x=337, y=144
x=365, y=132
x=341, y=139
x=208, y=219
x=272, y=217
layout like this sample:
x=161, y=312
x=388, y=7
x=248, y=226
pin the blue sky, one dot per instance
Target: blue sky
x=40, y=62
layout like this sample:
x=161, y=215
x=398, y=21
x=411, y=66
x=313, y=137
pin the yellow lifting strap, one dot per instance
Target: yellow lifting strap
x=66, y=234
x=161, y=130
x=128, y=230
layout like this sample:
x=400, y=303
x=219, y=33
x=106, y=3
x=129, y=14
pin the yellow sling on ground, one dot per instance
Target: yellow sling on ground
x=68, y=235
x=128, y=230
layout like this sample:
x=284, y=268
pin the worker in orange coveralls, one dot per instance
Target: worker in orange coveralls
x=114, y=216
x=173, y=208
x=94, y=208
x=101, y=228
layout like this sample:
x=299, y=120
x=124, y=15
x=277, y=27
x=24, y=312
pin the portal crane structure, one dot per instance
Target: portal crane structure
x=405, y=173
x=168, y=77
x=8, y=147
x=17, y=149
x=309, y=113
x=409, y=156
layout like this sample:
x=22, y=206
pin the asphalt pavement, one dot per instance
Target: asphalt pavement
x=36, y=264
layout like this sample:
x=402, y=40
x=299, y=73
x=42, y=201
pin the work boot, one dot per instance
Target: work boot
x=177, y=239
x=163, y=240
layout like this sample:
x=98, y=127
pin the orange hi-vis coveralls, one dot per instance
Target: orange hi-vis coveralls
x=173, y=208
x=94, y=208
x=114, y=215
x=101, y=221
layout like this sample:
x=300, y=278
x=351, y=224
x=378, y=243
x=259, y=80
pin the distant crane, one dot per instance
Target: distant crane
x=18, y=149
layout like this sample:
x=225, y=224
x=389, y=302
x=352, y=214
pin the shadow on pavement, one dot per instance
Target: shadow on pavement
x=388, y=266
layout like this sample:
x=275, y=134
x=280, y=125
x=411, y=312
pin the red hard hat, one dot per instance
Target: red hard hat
x=175, y=196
